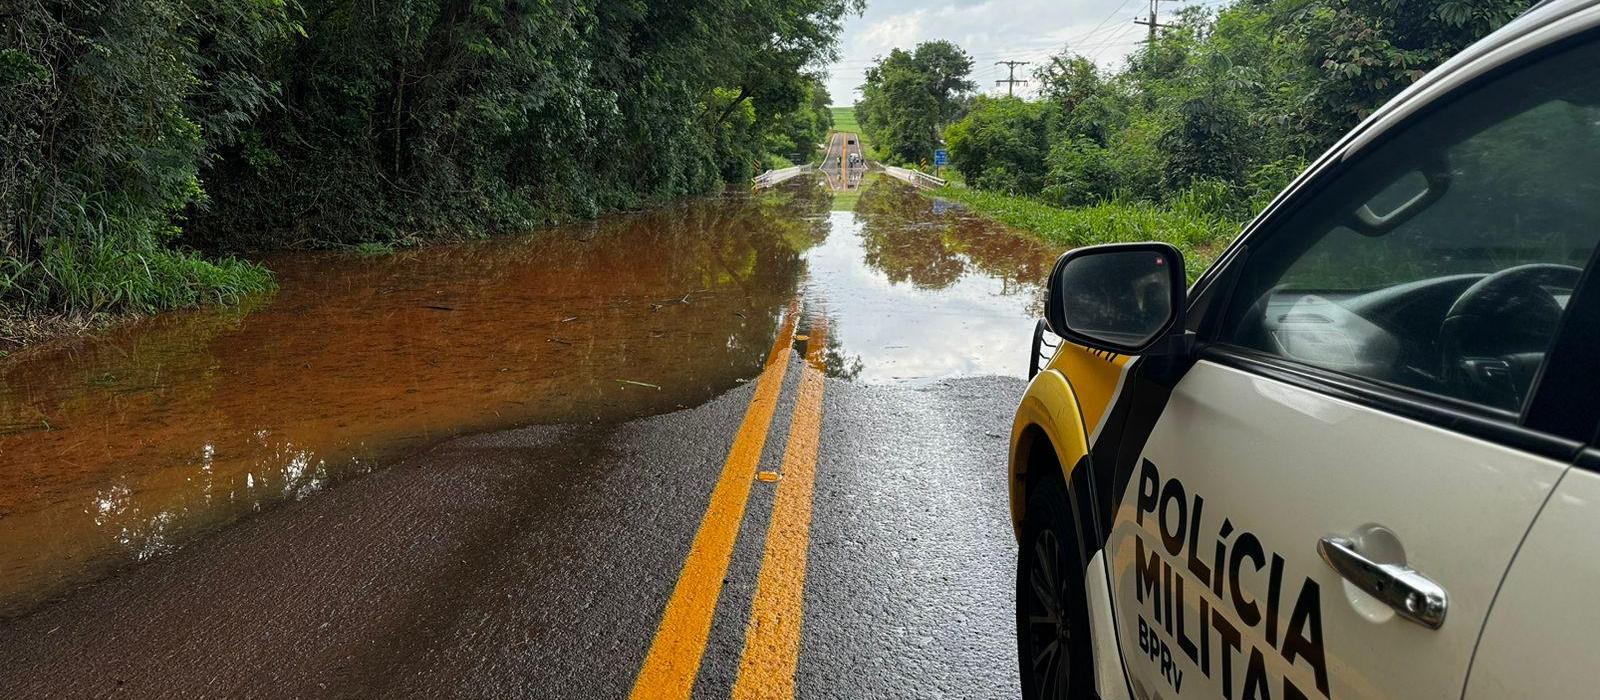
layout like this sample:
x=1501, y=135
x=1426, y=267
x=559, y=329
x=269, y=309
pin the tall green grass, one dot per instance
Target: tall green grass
x=1196, y=221
x=102, y=275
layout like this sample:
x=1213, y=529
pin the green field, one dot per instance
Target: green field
x=844, y=119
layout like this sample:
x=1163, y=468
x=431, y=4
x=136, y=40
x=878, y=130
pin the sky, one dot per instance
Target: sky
x=989, y=31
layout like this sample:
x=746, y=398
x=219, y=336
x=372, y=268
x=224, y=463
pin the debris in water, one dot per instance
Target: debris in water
x=557, y=340
x=438, y=308
x=569, y=318
x=657, y=387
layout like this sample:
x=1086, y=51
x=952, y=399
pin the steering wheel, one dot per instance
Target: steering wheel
x=1495, y=335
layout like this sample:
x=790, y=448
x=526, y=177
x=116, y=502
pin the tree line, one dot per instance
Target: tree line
x=142, y=140
x=1222, y=108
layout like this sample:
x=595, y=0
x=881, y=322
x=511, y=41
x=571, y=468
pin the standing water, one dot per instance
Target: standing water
x=122, y=447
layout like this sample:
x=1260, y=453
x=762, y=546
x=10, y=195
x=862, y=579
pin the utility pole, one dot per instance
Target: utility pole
x=1152, y=21
x=1011, y=75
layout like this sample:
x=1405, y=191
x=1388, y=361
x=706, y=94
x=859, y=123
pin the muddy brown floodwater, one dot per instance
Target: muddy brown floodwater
x=122, y=447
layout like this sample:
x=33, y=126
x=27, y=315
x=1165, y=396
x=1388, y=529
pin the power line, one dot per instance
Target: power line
x=1153, y=21
x=1102, y=23
x=1011, y=75
x=1030, y=52
x=1118, y=35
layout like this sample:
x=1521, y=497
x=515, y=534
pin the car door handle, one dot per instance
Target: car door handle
x=1413, y=596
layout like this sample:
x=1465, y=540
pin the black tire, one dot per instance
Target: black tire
x=1053, y=647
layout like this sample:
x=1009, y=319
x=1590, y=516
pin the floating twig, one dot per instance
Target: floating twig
x=657, y=387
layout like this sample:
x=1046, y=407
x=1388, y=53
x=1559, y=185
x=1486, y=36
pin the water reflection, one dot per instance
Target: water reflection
x=121, y=448
x=922, y=290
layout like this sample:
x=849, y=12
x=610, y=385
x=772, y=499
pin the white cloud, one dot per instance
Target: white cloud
x=1026, y=30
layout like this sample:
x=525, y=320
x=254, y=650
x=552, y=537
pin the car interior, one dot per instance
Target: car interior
x=1446, y=254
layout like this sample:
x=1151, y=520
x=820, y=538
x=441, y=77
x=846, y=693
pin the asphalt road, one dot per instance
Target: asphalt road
x=841, y=145
x=582, y=561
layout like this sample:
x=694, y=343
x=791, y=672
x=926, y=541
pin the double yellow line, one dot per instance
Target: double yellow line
x=772, y=637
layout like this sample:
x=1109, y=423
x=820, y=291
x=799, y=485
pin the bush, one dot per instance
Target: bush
x=1192, y=226
x=1001, y=144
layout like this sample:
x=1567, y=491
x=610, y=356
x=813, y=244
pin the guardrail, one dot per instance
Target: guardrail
x=773, y=177
x=917, y=178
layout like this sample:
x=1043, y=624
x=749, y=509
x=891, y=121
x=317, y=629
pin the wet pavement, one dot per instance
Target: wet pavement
x=844, y=165
x=535, y=563
x=522, y=437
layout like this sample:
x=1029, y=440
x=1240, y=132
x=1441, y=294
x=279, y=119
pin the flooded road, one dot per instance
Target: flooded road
x=121, y=448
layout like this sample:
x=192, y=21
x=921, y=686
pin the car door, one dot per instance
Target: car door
x=1542, y=638
x=1328, y=498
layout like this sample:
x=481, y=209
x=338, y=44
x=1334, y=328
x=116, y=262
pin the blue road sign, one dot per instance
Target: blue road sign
x=941, y=157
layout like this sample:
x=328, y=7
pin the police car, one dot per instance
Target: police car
x=1356, y=458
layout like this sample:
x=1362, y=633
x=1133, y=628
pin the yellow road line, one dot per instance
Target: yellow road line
x=772, y=638
x=674, y=660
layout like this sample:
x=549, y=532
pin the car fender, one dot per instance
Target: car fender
x=1049, y=409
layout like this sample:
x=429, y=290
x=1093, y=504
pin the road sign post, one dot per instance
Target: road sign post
x=941, y=158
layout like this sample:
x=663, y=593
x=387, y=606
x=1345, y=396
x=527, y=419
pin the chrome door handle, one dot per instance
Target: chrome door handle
x=1413, y=596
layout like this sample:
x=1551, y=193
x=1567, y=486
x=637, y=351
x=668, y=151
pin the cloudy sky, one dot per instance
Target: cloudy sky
x=992, y=30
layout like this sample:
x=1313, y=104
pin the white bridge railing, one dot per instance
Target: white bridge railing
x=920, y=179
x=773, y=177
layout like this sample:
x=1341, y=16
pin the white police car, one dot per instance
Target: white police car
x=1357, y=457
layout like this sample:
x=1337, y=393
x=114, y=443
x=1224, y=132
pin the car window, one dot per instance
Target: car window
x=1443, y=258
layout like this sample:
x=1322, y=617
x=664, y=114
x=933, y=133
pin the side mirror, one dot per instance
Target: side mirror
x=1122, y=298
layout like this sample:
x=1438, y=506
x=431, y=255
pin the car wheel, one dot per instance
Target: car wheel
x=1052, y=614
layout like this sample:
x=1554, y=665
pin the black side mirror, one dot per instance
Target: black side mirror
x=1122, y=298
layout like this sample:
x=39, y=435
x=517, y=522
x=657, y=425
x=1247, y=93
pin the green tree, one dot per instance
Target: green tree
x=1001, y=144
x=132, y=131
x=1366, y=51
x=909, y=97
x=109, y=113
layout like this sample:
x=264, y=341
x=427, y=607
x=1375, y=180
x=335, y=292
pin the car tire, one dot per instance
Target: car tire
x=1053, y=646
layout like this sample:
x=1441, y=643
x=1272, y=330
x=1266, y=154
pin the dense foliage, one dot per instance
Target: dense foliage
x=137, y=131
x=1221, y=111
x=910, y=97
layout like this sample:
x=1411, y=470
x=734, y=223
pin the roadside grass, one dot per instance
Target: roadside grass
x=372, y=249
x=1186, y=222
x=76, y=286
